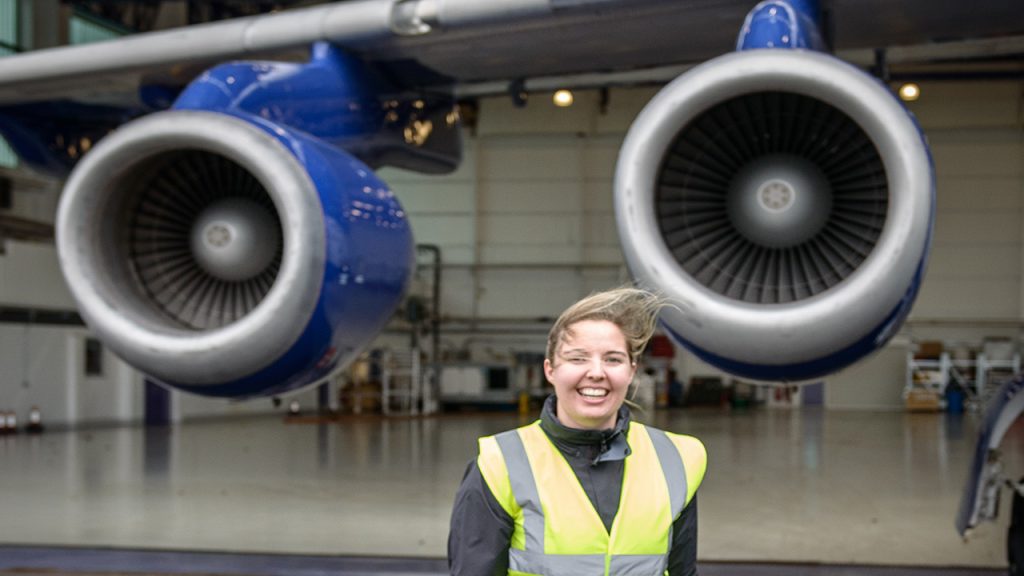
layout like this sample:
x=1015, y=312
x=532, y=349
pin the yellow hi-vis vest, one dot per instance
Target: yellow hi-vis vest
x=557, y=531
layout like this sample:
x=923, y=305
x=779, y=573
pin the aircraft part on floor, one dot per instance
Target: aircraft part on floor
x=230, y=257
x=784, y=200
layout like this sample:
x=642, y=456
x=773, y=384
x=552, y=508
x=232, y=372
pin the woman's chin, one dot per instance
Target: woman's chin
x=593, y=414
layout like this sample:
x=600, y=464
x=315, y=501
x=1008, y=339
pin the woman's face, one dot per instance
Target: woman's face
x=591, y=372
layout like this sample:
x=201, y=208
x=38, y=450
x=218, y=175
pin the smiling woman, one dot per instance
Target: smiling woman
x=555, y=497
x=590, y=372
x=592, y=352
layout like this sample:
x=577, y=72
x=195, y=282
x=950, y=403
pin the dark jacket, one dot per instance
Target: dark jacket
x=481, y=529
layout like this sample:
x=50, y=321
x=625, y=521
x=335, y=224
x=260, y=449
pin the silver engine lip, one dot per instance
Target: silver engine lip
x=794, y=332
x=119, y=315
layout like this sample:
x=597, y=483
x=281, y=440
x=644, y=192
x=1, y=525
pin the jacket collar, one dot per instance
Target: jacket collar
x=611, y=443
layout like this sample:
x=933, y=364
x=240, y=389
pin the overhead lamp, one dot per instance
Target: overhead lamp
x=909, y=92
x=562, y=98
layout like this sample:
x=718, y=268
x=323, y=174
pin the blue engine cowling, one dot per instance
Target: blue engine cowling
x=240, y=245
x=229, y=256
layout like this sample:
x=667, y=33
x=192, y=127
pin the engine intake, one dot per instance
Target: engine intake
x=204, y=238
x=771, y=197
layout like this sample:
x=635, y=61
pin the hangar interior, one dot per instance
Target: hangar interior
x=837, y=473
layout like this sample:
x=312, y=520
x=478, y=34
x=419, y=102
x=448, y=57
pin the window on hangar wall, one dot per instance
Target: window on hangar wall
x=10, y=43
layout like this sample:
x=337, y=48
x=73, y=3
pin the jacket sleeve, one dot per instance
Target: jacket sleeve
x=481, y=530
x=682, y=558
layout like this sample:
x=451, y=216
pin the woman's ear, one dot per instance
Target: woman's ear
x=548, y=369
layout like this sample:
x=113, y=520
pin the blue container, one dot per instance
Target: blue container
x=955, y=401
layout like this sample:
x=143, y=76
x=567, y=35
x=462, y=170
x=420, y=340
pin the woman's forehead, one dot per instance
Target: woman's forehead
x=588, y=334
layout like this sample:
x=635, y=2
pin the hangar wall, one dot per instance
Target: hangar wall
x=526, y=226
x=973, y=286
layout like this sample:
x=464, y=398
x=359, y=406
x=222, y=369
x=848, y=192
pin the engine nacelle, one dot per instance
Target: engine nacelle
x=784, y=201
x=227, y=255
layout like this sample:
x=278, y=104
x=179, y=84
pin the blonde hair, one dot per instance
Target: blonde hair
x=633, y=310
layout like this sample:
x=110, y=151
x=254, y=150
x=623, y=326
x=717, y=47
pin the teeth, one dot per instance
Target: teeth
x=594, y=392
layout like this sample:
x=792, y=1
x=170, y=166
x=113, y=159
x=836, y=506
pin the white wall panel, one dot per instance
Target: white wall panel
x=978, y=194
x=541, y=197
x=975, y=270
x=986, y=154
x=872, y=384
x=1000, y=262
x=33, y=370
x=450, y=231
x=530, y=158
x=458, y=292
x=996, y=227
x=437, y=197
x=602, y=278
x=552, y=230
x=114, y=395
x=604, y=254
x=599, y=157
x=30, y=276
x=959, y=104
x=566, y=254
x=44, y=366
x=967, y=298
x=524, y=293
x=601, y=238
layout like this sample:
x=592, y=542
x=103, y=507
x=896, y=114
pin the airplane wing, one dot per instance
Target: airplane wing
x=443, y=42
x=223, y=230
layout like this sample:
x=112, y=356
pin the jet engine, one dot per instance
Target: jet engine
x=783, y=201
x=228, y=257
x=239, y=244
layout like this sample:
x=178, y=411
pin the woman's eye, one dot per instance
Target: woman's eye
x=577, y=360
x=614, y=360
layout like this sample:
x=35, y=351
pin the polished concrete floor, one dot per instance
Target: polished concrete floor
x=790, y=486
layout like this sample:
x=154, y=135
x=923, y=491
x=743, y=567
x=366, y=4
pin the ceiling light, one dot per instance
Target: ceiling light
x=563, y=98
x=910, y=92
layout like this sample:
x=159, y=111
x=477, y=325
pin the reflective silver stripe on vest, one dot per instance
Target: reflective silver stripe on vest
x=524, y=488
x=671, y=467
x=559, y=564
x=639, y=564
x=586, y=564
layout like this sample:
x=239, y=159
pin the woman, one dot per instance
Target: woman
x=583, y=490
